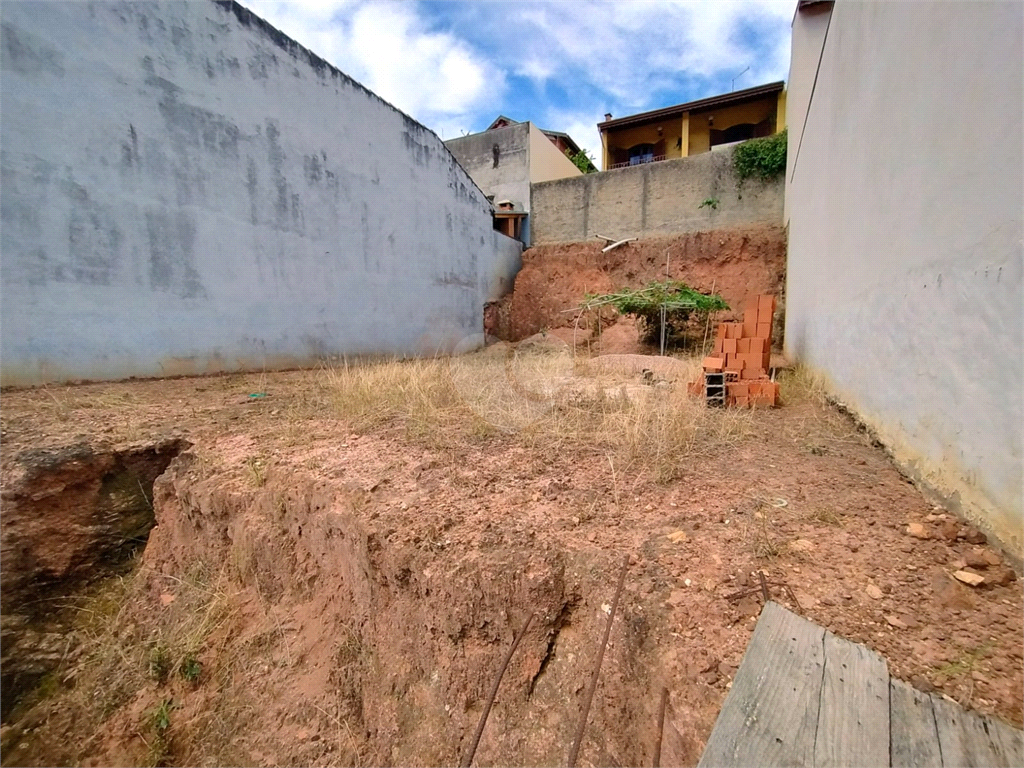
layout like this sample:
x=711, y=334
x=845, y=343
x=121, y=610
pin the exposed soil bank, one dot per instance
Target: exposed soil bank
x=316, y=592
x=70, y=516
x=737, y=263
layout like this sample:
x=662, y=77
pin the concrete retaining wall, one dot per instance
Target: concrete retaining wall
x=652, y=200
x=904, y=279
x=185, y=189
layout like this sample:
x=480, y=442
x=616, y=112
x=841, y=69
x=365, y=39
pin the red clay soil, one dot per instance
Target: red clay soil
x=737, y=263
x=378, y=580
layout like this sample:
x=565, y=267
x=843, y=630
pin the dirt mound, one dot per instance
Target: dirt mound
x=738, y=263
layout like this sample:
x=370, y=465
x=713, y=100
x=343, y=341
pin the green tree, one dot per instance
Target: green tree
x=582, y=160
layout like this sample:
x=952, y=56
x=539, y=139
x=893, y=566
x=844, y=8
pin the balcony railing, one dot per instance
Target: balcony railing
x=654, y=159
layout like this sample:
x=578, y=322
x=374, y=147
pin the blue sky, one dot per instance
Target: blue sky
x=455, y=66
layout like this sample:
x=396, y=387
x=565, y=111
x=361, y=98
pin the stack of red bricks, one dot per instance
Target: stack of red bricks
x=743, y=353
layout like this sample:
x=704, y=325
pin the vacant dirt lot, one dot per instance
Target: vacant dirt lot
x=340, y=562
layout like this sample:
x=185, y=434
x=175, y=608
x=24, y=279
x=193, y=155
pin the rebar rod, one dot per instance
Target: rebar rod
x=656, y=763
x=468, y=761
x=574, y=753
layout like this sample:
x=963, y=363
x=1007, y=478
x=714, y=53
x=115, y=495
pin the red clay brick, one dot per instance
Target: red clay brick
x=764, y=330
x=713, y=363
x=742, y=346
x=730, y=345
x=766, y=301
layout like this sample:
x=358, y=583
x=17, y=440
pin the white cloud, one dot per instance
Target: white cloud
x=388, y=48
x=632, y=51
x=447, y=64
x=582, y=126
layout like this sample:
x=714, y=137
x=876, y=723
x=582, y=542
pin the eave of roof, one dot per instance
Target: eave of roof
x=712, y=102
x=566, y=136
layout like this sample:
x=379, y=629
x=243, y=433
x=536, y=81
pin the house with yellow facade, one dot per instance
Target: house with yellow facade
x=694, y=127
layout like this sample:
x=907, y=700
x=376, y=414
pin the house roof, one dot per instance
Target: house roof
x=712, y=102
x=568, y=139
x=498, y=119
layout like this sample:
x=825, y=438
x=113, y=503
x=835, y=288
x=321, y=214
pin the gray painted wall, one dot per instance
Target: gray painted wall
x=185, y=190
x=652, y=200
x=510, y=178
x=904, y=280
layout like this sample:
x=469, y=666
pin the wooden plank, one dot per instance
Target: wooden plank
x=913, y=738
x=853, y=719
x=771, y=713
x=969, y=740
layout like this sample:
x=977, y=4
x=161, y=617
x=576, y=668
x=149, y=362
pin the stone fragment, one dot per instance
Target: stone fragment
x=969, y=578
x=976, y=559
x=949, y=530
x=919, y=531
x=973, y=535
x=873, y=592
x=1001, y=576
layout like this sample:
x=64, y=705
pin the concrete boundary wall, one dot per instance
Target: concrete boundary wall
x=655, y=199
x=905, y=278
x=187, y=190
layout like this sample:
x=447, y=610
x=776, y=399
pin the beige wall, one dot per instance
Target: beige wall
x=809, y=27
x=904, y=280
x=546, y=160
x=652, y=199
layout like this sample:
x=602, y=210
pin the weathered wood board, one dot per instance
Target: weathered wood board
x=804, y=697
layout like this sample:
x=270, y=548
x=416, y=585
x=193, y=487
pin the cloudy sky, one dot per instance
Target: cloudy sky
x=455, y=66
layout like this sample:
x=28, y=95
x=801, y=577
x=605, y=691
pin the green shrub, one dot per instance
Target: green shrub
x=761, y=158
x=678, y=299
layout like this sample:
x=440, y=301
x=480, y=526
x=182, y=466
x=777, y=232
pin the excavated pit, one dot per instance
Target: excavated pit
x=71, y=516
x=332, y=627
x=397, y=634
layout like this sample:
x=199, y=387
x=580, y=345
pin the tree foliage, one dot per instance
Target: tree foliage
x=582, y=160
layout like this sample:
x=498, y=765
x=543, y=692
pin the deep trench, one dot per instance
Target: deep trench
x=75, y=517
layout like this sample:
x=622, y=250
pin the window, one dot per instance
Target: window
x=641, y=153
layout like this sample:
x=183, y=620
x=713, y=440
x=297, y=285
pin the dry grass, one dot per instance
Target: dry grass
x=126, y=644
x=801, y=385
x=546, y=401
